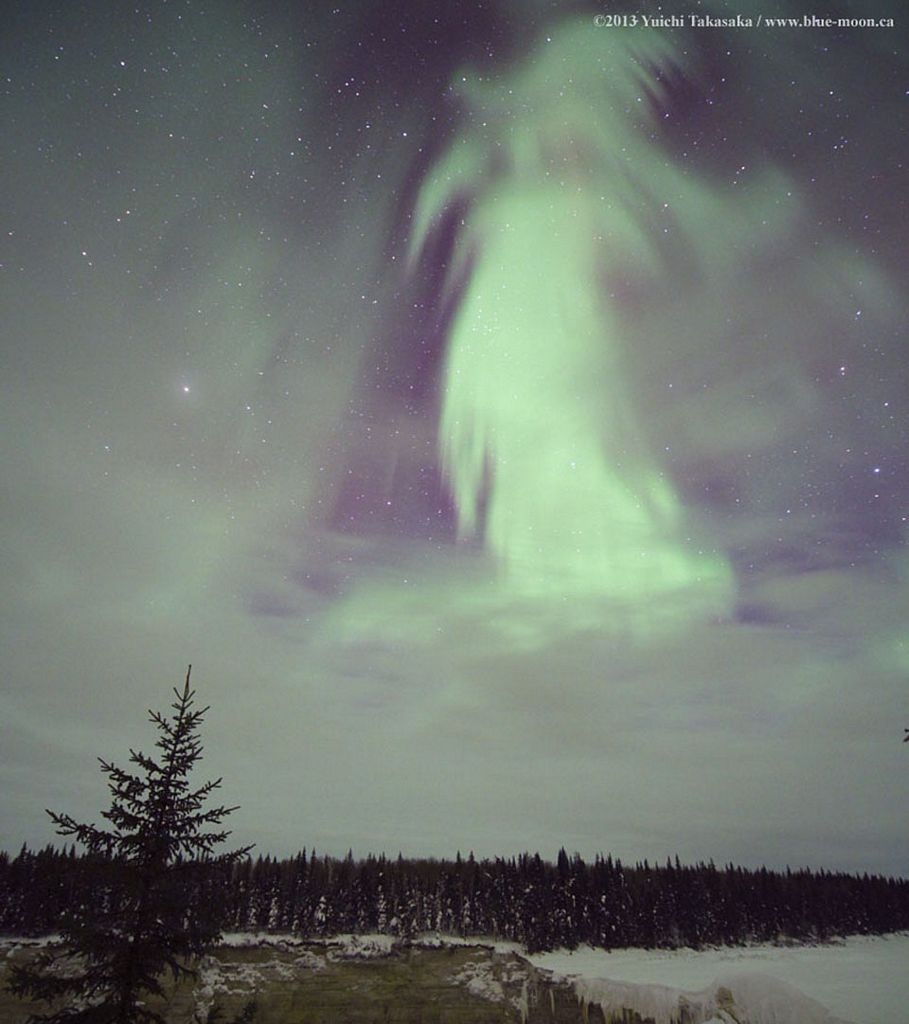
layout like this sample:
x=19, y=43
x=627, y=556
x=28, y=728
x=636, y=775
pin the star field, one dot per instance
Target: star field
x=506, y=416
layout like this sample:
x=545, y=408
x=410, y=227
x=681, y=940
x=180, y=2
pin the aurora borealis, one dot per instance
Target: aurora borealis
x=505, y=414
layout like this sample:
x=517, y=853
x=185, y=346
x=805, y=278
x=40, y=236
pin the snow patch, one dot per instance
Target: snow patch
x=242, y=939
x=494, y=980
x=310, y=961
x=216, y=978
x=480, y=980
x=360, y=947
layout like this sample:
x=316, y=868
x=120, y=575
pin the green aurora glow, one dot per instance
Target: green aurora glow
x=541, y=476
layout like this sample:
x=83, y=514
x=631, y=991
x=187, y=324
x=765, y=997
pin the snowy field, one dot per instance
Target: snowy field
x=862, y=980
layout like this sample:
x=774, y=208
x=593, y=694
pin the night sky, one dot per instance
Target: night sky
x=506, y=415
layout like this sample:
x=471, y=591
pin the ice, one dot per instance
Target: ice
x=861, y=979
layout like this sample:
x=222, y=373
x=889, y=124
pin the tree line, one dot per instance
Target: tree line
x=539, y=904
x=153, y=892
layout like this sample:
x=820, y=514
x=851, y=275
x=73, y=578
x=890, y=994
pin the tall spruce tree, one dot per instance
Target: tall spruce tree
x=156, y=889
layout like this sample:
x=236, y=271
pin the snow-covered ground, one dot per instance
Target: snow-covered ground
x=858, y=981
x=865, y=980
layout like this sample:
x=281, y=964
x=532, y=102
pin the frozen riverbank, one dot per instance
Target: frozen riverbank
x=861, y=979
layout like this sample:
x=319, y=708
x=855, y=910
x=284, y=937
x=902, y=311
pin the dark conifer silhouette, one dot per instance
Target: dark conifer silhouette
x=154, y=879
x=523, y=899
